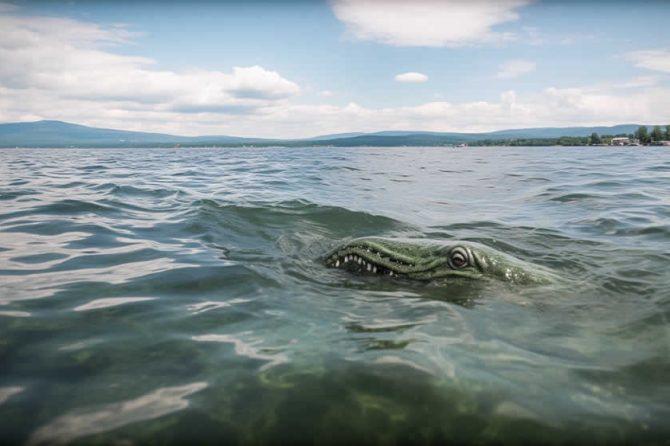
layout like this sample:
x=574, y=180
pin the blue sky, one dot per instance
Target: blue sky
x=289, y=69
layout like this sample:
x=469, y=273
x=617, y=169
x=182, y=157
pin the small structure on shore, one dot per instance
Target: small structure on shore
x=622, y=141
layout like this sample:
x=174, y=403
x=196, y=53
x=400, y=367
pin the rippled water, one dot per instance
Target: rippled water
x=170, y=295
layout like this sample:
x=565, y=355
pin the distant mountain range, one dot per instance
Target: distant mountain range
x=63, y=134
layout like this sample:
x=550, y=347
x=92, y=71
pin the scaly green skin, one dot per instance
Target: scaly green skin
x=422, y=259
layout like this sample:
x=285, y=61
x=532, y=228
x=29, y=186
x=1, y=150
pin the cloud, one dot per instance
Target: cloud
x=636, y=82
x=549, y=107
x=48, y=61
x=432, y=23
x=68, y=70
x=7, y=7
x=657, y=59
x=515, y=68
x=559, y=107
x=411, y=77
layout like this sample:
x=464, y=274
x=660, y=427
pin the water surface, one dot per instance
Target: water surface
x=176, y=294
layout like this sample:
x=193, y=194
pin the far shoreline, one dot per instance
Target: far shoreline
x=467, y=147
x=58, y=134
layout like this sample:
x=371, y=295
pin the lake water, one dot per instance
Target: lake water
x=178, y=294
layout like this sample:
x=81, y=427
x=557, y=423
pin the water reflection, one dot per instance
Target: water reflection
x=247, y=349
x=14, y=313
x=110, y=302
x=114, y=277
x=7, y=392
x=88, y=421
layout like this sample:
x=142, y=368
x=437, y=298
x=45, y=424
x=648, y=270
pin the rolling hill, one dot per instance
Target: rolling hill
x=63, y=134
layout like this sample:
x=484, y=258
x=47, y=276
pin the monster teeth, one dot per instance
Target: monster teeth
x=369, y=267
x=337, y=264
x=374, y=269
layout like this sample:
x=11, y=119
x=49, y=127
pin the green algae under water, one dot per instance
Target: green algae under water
x=176, y=295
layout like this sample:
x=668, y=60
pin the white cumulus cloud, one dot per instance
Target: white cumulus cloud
x=551, y=107
x=411, y=77
x=657, y=59
x=432, y=23
x=515, y=68
x=52, y=63
x=53, y=68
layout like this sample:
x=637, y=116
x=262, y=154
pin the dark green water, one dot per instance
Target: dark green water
x=175, y=295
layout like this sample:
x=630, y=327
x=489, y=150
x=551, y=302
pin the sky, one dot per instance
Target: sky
x=289, y=69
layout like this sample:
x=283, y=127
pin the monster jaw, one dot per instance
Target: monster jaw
x=368, y=257
x=421, y=259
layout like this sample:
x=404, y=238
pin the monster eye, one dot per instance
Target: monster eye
x=458, y=259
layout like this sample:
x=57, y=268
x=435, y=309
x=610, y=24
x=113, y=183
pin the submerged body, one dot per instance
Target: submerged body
x=422, y=259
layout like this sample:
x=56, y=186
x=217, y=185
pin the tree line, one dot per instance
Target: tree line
x=642, y=134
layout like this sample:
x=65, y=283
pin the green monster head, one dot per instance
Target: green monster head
x=429, y=260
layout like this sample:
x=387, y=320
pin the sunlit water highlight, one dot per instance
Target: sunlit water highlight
x=175, y=295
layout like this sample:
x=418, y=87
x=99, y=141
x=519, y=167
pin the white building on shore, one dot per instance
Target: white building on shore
x=622, y=141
